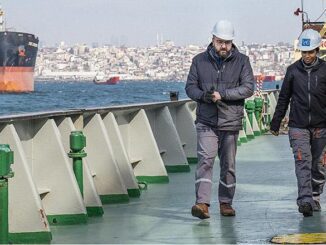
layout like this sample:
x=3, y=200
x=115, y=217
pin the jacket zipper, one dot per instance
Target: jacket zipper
x=219, y=72
x=218, y=78
x=309, y=97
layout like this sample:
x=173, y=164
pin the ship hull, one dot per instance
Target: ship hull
x=18, y=53
x=16, y=79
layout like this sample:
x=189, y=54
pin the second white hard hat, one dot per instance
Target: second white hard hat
x=309, y=40
x=224, y=30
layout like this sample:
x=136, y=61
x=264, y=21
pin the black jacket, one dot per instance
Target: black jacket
x=233, y=79
x=306, y=93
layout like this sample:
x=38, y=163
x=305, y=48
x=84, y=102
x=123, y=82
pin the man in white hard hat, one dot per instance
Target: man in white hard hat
x=304, y=87
x=219, y=80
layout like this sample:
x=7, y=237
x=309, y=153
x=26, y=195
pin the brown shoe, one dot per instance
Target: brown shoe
x=200, y=210
x=226, y=209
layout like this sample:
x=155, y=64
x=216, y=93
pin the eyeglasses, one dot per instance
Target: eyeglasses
x=223, y=42
x=308, y=52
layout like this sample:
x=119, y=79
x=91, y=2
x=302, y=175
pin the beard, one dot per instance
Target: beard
x=223, y=53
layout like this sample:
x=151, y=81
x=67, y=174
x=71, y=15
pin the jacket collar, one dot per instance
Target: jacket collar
x=210, y=51
x=300, y=65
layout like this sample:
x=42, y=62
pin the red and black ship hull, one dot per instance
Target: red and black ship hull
x=18, y=53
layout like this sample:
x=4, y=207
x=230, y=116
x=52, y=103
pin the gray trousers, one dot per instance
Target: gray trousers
x=309, y=150
x=210, y=143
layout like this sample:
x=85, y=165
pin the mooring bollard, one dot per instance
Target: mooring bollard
x=174, y=95
x=259, y=103
x=250, y=108
x=6, y=159
x=77, y=144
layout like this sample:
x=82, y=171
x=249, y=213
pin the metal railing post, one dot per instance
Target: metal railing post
x=77, y=144
x=6, y=159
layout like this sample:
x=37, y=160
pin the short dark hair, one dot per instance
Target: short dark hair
x=317, y=50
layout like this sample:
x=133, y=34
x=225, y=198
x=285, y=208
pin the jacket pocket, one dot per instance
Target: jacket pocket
x=232, y=113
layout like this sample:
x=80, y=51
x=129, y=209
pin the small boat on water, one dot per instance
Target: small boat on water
x=110, y=81
x=99, y=79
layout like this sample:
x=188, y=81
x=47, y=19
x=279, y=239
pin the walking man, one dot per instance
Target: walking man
x=304, y=87
x=219, y=76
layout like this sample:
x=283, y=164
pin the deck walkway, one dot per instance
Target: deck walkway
x=264, y=201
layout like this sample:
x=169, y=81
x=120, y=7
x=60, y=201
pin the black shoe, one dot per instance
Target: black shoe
x=317, y=207
x=306, y=209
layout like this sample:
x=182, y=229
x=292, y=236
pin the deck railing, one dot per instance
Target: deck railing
x=126, y=146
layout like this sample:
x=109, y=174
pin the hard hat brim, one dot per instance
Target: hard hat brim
x=224, y=37
x=303, y=48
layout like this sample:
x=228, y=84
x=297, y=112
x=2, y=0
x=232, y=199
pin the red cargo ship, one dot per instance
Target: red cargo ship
x=18, y=52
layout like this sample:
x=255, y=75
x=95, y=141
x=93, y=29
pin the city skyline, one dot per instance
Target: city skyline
x=164, y=62
x=142, y=22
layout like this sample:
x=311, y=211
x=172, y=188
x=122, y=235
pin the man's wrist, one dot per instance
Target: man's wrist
x=222, y=94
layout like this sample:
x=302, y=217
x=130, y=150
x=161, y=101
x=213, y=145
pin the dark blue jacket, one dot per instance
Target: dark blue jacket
x=233, y=79
x=306, y=93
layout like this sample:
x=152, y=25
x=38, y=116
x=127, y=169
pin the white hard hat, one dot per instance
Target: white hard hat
x=224, y=30
x=309, y=40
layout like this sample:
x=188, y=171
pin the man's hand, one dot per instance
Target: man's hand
x=208, y=96
x=211, y=96
x=216, y=96
x=275, y=133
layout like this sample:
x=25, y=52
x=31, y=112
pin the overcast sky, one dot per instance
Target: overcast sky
x=137, y=22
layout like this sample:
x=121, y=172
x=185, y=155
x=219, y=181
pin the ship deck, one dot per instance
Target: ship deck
x=265, y=203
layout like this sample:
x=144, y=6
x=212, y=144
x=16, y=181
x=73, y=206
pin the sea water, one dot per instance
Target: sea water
x=64, y=95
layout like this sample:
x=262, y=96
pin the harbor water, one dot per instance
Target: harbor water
x=65, y=95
